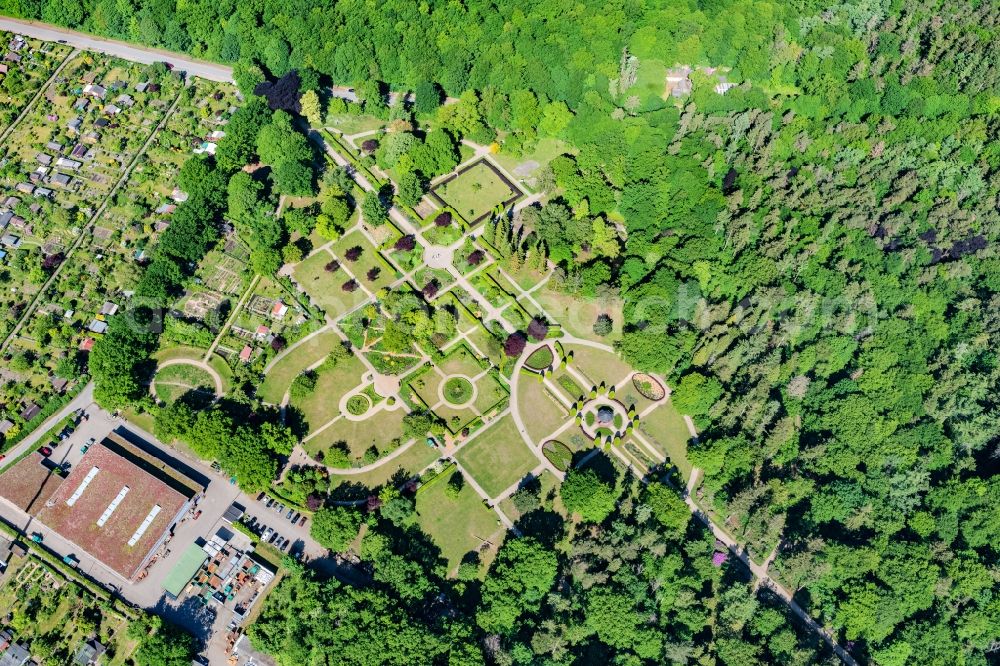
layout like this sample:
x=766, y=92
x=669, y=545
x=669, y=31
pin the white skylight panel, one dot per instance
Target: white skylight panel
x=111, y=507
x=83, y=486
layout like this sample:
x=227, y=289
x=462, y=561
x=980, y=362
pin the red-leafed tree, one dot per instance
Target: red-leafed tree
x=431, y=289
x=514, y=345
x=406, y=243
x=443, y=220
x=373, y=273
x=538, y=329
x=369, y=146
x=332, y=266
x=475, y=257
x=350, y=286
x=354, y=253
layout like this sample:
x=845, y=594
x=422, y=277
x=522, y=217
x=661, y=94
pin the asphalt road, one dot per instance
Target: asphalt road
x=135, y=53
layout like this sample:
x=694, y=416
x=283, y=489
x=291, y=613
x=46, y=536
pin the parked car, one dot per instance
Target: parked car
x=274, y=537
x=295, y=518
x=280, y=508
x=45, y=451
x=2, y=456
x=260, y=498
x=302, y=521
x=267, y=534
x=269, y=502
x=285, y=545
x=288, y=516
x=87, y=445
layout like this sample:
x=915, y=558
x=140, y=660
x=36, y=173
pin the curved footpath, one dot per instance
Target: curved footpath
x=201, y=365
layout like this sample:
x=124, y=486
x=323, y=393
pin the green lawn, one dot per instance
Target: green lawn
x=498, y=457
x=461, y=361
x=188, y=375
x=369, y=259
x=578, y=315
x=411, y=461
x=475, y=192
x=426, y=386
x=456, y=418
x=321, y=405
x=325, y=287
x=378, y=431
x=489, y=391
x=598, y=365
x=548, y=484
x=457, y=525
x=354, y=123
x=280, y=376
x=521, y=166
x=547, y=414
x=666, y=430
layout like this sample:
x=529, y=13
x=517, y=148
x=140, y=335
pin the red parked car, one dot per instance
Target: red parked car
x=45, y=451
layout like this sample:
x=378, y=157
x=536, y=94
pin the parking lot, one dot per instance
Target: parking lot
x=269, y=519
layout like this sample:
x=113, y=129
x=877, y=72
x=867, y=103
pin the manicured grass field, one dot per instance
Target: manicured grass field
x=541, y=411
x=665, y=429
x=322, y=404
x=544, y=152
x=354, y=123
x=598, y=365
x=498, y=457
x=630, y=396
x=411, y=462
x=188, y=375
x=548, y=483
x=487, y=344
x=475, y=192
x=461, y=361
x=280, y=376
x=378, y=430
x=577, y=315
x=326, y=287
x=426, y=386
x=369, y=259
x=458, y=525
x=489, y=391
x=456, y=418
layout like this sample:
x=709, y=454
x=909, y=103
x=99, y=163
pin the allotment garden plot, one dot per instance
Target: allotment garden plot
x=27, y=65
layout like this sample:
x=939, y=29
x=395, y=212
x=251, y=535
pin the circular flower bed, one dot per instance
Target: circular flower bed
x=458, y=390
x=358, y=404
x=648, y=386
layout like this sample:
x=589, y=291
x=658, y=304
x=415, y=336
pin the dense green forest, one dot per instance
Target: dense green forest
x=643, y=589
x=810, y=259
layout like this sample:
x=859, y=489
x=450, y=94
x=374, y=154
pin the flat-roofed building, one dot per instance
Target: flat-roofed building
x=119, y=504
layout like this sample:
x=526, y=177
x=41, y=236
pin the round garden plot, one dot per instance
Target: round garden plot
x=604, y=417
x=457, y=390
x=648, y=386
x=358, y=404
